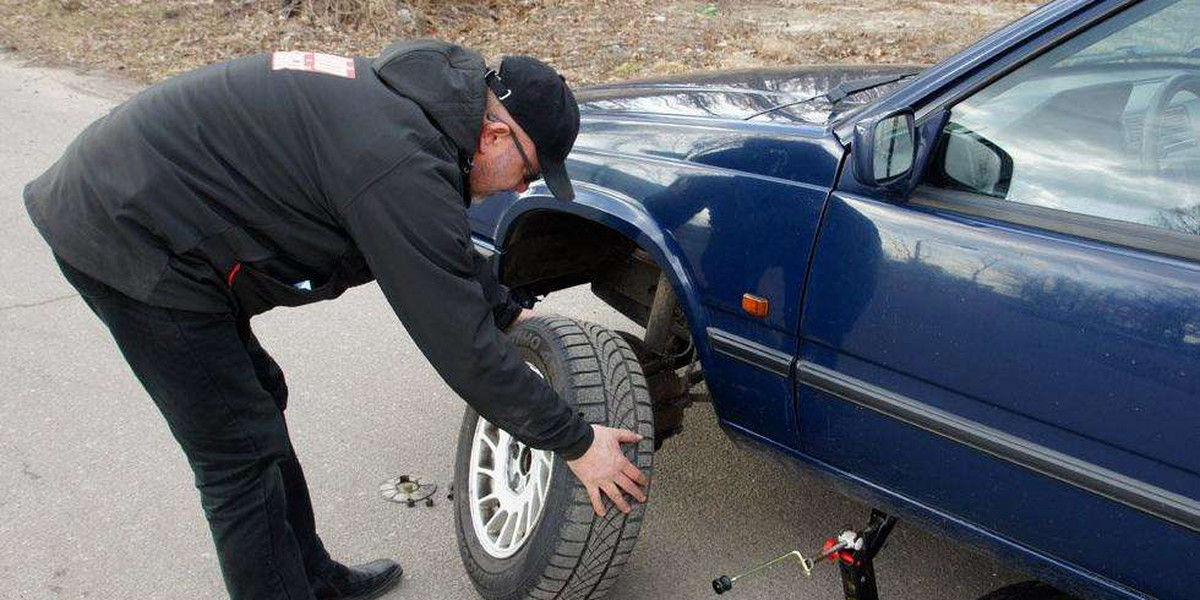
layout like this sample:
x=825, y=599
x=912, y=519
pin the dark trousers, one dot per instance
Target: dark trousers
x=223, y=397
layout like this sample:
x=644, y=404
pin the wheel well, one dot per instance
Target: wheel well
x=549, y=251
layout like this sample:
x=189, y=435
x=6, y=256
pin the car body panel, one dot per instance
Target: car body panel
x=1113, y=326
x=1071, y=346
x=730, y=222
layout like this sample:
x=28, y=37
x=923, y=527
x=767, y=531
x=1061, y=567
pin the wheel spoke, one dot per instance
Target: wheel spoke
x=544, y=482
x=522, y=519
x=489, y=473
x=496, y=518
x=535, y=485
x=505, y=539
x=530, y=513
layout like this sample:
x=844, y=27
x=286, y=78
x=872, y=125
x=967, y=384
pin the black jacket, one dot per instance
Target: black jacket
x=225, y=188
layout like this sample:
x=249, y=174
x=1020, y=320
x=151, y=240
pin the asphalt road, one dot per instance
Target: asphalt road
x=96, y=500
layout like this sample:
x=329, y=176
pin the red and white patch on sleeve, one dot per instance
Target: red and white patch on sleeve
x=313, y=62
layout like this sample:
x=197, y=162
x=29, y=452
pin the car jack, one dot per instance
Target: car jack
x=854, y=552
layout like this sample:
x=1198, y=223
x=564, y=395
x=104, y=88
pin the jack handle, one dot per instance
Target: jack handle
x=725, y=583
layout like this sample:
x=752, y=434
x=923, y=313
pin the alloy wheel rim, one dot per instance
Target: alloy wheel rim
x=508, y=482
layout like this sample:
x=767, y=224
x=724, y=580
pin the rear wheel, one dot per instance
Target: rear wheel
x=526, y=528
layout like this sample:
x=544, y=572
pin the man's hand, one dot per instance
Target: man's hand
x=605, y=468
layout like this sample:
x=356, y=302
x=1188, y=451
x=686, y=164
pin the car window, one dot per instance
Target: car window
x=1106, y=124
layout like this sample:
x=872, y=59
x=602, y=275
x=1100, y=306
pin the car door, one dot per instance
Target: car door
x=1017, y=344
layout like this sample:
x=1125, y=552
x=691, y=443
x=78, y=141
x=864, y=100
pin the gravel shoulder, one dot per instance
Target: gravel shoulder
x=590, y=41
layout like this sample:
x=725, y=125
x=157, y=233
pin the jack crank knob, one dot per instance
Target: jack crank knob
x=722, y=584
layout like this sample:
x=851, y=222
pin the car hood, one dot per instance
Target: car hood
x=741, y=94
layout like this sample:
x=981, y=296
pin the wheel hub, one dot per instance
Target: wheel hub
x=520, y=459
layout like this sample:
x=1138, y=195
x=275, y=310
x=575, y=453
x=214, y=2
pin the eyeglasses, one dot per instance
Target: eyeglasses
x=531, y=174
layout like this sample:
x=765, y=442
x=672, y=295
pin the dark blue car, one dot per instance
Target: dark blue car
x=970, y=294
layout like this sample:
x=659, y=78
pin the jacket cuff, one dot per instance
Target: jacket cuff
x=581, y=444
x=506, y=313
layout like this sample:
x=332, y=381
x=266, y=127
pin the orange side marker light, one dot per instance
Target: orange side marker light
x=755, y=306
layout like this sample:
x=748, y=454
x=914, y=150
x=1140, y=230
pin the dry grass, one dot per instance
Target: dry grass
x=590, y=41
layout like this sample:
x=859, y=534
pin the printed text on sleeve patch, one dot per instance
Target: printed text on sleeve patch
x=314, y=62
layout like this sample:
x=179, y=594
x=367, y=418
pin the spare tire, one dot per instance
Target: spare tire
x=526, y=528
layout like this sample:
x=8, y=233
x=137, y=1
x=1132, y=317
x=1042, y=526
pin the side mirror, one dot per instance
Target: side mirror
x=885, y=149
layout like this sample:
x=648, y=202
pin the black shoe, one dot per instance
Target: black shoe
x=360, y=582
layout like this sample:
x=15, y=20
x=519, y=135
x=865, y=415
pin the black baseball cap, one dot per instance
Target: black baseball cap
x=539, y=100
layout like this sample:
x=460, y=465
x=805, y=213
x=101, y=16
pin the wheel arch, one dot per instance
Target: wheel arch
x=585, y=233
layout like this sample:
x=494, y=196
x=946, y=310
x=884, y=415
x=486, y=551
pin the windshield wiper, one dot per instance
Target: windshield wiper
x=842, y=91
